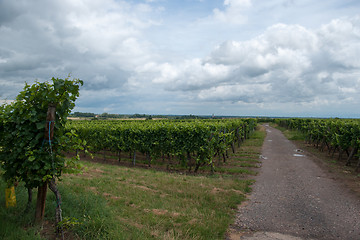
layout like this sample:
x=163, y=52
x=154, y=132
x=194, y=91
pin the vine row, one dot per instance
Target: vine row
x=335, y=135
x=194, y=142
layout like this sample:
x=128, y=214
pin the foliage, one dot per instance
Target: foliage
x=333, y=134
x=25, y=154
x=69, y=222
x=336, y=133
x=80, y=114
x=131, y=203
x=201, y=139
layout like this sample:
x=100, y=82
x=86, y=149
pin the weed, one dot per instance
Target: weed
x=68, y=223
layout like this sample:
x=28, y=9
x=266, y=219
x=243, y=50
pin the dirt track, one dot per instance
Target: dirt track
x=293, y=198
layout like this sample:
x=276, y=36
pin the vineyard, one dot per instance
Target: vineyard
x=125, y=202
x=337, y=136
x=193, y=143
x=39, y=144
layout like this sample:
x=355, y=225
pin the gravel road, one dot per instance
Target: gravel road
x=293, y=198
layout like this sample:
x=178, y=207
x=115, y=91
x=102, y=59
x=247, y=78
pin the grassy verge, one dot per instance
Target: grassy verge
x=117, y=202
x=290, y=134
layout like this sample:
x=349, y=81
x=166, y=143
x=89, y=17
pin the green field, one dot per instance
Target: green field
x=108, y=201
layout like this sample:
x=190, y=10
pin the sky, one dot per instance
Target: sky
x=288, y=58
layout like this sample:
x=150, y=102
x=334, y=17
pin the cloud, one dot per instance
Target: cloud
x=287, y=63
x=155, y=55
x=197, y=73
x=232, y=12
x=99, y=41
x=341, y=40
x=247, y=93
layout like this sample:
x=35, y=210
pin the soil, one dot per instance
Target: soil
x=297, y=195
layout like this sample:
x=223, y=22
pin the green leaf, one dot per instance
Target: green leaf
x=40, y=125
x=22, y=125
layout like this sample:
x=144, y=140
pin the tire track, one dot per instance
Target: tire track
x=293, y=198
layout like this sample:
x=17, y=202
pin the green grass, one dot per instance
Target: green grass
x=117, y=202
x=246, y=159
x=122, y=203
x=14, y=223
x=290, y=134
x=234, y=170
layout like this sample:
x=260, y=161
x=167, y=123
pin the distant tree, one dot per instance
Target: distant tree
x=80, y=114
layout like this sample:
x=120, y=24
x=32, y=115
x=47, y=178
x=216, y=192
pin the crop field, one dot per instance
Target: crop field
x=161, y=179
x=166, y=200
x=191, y=143
x=340, y=138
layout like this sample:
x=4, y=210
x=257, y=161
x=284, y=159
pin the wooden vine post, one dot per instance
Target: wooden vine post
x=42, y=190
x=40, y=203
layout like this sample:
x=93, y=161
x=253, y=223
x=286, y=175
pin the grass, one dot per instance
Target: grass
x=117, y=202
x=14, y=223
x=290, y=134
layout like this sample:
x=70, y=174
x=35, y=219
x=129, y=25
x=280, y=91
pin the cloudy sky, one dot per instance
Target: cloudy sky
x=202, y=57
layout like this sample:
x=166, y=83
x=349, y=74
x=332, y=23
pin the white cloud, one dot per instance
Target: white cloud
x=287, y=63
x=86, y=38
x=248, y=93
x=341, y=39
x=232, y=12
x=191, y=74
x=186, y=56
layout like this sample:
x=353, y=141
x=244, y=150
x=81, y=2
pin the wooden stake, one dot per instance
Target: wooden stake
x=42, y=190
x=40, y=203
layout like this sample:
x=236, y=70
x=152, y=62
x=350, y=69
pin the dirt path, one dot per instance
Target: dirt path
x=293, y=198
